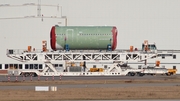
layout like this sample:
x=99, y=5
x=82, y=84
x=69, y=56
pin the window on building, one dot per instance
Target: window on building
x=6, y=66
x=20, y=66
x=56, y=65
x=10, y=51
x=174, y=67
x=0, y=66
x=163, y=56
x=94, y=66
x=35, y=66
x=31, y=66
x=105, y=66
x=26, y=66
x=174, y=56
x=40, y=66
x=15, y=66
x=11, y=66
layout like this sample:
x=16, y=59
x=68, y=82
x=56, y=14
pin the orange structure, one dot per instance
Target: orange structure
x=29, y=48
x=146, y=45
x=157, y=63
x=131, y=48
x=44, y=46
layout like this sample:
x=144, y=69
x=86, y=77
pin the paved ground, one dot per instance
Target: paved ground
x=124, y=100
x=92, y=86
x=20, y=78
x=147, y=77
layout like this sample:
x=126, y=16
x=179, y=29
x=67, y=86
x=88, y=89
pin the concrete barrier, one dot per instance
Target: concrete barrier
x=41, y=88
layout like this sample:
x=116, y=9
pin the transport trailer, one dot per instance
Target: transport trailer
x=96, y=62
x=49, y=70
x=153, y=71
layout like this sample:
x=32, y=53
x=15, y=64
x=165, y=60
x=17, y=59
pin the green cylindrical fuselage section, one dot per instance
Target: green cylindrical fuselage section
x=83, y=37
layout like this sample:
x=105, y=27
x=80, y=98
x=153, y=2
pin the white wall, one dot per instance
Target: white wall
x=155, y=20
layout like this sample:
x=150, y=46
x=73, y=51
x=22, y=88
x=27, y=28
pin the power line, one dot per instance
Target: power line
x=27, y=17
x=27, y=4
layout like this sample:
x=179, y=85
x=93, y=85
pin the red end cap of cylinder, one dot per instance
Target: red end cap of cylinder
x=114, y=33
x=53, y=38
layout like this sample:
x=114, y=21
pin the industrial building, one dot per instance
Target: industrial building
x=136, y=21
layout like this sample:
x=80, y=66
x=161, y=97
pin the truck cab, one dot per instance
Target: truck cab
x=149, y=47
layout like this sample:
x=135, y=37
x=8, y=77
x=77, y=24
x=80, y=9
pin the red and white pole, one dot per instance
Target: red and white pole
x=16, y=78
x=8, y=78
x=53, y=78
x=38, y=78
x=23, y=78
x=46, y=79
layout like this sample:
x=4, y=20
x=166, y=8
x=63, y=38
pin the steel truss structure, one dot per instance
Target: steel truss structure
x=116, y=58
x=122, y=56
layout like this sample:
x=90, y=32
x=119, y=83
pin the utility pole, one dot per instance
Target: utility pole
x=39, y=8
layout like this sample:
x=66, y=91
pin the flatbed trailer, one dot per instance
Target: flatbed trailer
x=49, y=70
x=85, y=62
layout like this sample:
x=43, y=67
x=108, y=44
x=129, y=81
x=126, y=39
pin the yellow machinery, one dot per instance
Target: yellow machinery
x=96, y=70
x=81, y=64
x=72, y=64
x=171, y=72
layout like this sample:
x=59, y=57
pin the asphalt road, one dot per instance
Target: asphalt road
x=92, y=86
x=125, y=100
x=20, y=78
x=147, y=77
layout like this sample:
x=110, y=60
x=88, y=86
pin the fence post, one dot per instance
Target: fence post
x=60, y=78
x=23, y=78
x=16, y=78
x=46, y=79
x=53, y=78
x=38, y=78
x=8, y=78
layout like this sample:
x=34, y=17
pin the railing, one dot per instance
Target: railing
x=21, y=51
x=12, y=52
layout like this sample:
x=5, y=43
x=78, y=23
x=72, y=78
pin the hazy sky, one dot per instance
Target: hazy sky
x=137, y=20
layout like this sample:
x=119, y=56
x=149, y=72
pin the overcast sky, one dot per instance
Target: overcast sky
x=137, y=20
